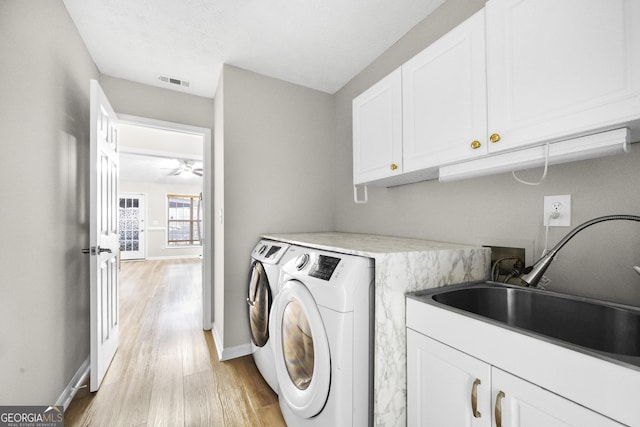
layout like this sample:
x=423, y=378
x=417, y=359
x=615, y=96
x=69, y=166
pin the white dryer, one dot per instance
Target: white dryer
x=322, y=326
x=263, y=285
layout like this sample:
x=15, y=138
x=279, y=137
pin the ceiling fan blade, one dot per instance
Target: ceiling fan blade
x=195, y=172
x=197, y=169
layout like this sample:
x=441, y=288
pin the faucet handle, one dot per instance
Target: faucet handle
x=637, y=269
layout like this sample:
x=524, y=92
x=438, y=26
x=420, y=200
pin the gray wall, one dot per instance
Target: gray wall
x=44, y=132
x=151, y=102
x=597, y=262
x=277, y=140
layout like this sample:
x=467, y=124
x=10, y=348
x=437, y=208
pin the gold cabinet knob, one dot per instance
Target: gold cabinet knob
x=394, y=166
x=476, y=144
x=494, y=137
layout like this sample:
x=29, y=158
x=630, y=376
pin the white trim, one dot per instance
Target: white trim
x=77, y=382
x=230, y=352
x=207, y=191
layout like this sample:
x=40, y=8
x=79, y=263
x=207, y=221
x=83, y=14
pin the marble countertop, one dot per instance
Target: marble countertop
x=369, y=245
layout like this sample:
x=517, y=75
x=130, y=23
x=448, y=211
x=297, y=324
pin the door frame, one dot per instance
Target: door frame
x=207, y=187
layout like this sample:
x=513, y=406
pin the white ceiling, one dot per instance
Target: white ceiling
x=150, y=155
x=321, y=44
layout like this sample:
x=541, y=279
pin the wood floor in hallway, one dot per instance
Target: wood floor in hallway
x=166, y=371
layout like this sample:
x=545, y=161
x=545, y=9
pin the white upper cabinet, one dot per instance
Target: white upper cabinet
x=558, y=69
x=445, y=100
x=377, y=131
x=519, y=73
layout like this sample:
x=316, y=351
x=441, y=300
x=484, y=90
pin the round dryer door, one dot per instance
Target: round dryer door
x=259, y=301
x=303, y=362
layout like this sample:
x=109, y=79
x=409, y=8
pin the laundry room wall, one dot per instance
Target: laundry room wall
x=157, y=103
x=44, y=134
x=274, y=155
x=595, y=263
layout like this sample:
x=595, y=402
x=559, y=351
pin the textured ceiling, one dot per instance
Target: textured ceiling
x=321, y=44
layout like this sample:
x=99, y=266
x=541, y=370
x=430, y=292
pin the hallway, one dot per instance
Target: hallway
x=166, y=371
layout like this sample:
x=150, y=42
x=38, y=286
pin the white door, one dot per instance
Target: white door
x=445, y=387
x=518, y=403
x=104, y=234
x=560, y=68
x=377, y=130
x=444, y=99
x=131, y=224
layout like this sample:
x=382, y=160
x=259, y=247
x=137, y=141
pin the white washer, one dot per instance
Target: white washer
x=263, y=285
x=322, y=326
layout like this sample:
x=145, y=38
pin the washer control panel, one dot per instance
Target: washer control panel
x=269, y=252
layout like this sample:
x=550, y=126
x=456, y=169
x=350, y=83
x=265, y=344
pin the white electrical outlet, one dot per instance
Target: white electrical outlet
x=557, y=211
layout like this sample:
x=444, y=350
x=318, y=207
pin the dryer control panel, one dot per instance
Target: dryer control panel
x=324, y=267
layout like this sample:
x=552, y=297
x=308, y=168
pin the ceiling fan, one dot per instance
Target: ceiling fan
x=186, y=166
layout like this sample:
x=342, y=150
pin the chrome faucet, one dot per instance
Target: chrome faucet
x=532, y=275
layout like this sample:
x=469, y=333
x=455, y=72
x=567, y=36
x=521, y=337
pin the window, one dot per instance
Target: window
x=184, y=223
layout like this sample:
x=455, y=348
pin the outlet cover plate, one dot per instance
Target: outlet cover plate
x=564, y=202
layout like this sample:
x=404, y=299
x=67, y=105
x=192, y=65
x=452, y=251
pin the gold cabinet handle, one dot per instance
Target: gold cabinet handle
x=498, y=409
x=394, y=166
x=474, y=399
x=495, y=137
x=476, y=144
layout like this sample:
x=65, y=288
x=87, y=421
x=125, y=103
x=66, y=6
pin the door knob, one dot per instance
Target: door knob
x=96, y=251
x=495, y=137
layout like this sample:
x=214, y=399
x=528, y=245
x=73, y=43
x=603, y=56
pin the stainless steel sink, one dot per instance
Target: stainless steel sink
x=596, y=325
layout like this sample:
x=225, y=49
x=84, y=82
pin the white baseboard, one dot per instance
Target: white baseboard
x=156, y=258
x=229, y=352
x=76, y=382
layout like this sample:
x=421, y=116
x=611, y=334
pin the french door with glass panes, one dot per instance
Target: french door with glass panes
x=132, y=213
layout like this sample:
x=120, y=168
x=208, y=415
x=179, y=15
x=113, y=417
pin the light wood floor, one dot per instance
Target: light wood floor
x=166, y=371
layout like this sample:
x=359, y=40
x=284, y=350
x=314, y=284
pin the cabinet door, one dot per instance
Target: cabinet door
x=440, y=383
x=557, y=69
x=524, y=404
x=444, y=99
x=377, y=130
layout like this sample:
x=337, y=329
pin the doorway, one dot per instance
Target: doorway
x=188, y=166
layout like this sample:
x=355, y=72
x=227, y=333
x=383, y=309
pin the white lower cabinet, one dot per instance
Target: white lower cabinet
x=442, y=383
x=446, y=387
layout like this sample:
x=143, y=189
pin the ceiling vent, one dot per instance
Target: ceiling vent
x=173, y=81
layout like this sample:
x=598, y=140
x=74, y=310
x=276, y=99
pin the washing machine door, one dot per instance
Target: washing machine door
x=303, y=360
x=259, y=301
